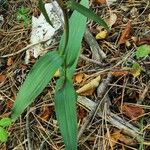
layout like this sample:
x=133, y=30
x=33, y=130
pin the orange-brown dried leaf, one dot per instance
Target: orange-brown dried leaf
x=2, y=78
x=79, y=78
x=9, y=103
x=46, y=113
x=120, y=73
x=133, y=112
x=81, y=113
x=115, y=137
x=100, y=1
x=10, y=61
x=125, y=34
x=127, y=140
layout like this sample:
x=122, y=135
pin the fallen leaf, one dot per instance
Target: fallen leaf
x=10, y=61
x=127, y=140
x=112, y=19
x=2, y=78
x=9, y=103
x=101, y=35
x=125, y=34
x=81, y=113
x=132, y=111
x=120, y=73
x=143, y=41
x=89, y=86
x=115, y=137
x=88, y=92
x=100, y=1
x=46, y=112
x=136, y=70
x=78, y=78
x=142, y=51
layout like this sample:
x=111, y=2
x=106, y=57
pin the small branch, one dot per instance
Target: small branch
x=28, y=132
x=97, y=53
x=112, y=118
x=92, y=61
x=24, y=49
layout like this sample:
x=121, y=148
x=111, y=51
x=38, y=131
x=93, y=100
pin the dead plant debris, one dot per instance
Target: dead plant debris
x=130, y=27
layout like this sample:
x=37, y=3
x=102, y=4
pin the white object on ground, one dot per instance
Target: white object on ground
x=1, y=20
x=109, y=2
x=41, y=30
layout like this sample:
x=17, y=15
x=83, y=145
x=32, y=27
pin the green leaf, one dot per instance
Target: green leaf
x=5, y=122
x=66, y=21
x=86, y=12
x=3, y=135
x=77, y=26
x=65, y=107
x=43, y=10
x=136, y=69
x=142, y=51
x=37, y=79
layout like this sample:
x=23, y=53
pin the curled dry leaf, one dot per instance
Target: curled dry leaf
x=120, y=72
x=2, y=78
x=101, y=35
x=79, y=78
x=112, y=19
x=132, y=111
x=10, y=61
x=46, y=112
x=125, y=34
x=89, y=86
x=127, y=140
x=118, y=136
x=100, y=1
x=115, y=137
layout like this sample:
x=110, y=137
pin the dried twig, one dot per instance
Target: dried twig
x=97, y=53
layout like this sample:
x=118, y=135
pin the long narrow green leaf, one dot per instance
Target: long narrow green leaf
x=66, y=20
x=86, y=12
x=41, y=73
x=43, y=10
x=65, y=106
x=77, y=26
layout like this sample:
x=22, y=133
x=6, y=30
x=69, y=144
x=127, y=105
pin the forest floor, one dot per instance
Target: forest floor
x=113, y=112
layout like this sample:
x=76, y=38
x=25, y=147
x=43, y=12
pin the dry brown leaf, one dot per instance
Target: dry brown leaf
x=133, y=112
x=115, y=137
x=46, y=113
x=125, y=34
x=10, y=61
x=112, y=19
x=2, y=78
x=120, y=73
x=9, y=103
x=78, y=78
x=89, y=86
x=81, y=113
x=127, y=140
x=100, y=1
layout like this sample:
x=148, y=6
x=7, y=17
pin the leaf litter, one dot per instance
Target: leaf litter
x=126, y=44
